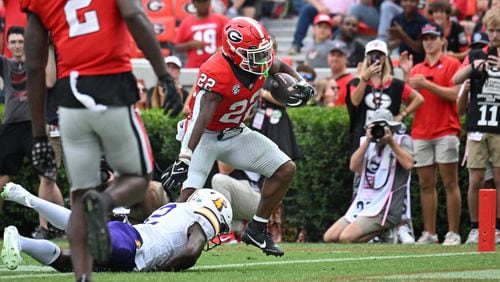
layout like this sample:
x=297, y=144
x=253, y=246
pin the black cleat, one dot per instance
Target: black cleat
x=98, y=233
x=262, y=240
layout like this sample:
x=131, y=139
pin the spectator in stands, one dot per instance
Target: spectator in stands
x=366, y=11
x=388, y=9
x=244, y=8
x=405, y=30
x=335, y=8
x=307, y=72
x=200, y=34
x=479, y=40
x=327, y=92
x=337, y=60
x=377, y=88
x=436, y=139
x=158, y=96
x=316, y=49
x=384, y=160
x=348, y=34
x=483, y=141
x=15, y=132
x=457, y=42
x=13, y=17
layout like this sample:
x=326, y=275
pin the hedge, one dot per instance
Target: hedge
x=320, y=192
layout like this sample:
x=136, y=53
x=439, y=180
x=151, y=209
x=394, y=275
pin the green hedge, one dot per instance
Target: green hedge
x=320, y=192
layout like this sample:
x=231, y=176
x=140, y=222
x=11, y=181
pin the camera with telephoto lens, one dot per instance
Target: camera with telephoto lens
x=374, y=57
x=378, y=130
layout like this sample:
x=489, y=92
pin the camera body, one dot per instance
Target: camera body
x=378, y=130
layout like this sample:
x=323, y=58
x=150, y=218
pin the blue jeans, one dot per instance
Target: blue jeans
x=306, y=17
x=297, y=6
x=388, y=10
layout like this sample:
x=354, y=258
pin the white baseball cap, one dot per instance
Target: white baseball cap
x=174, y=60
x=376, y=45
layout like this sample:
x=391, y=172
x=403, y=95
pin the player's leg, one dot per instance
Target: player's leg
x=154, y=198
x=57, y=215
x=82, y=154
x=43, y=251
x=333, y=233
x=262, y=156
x=48, y=190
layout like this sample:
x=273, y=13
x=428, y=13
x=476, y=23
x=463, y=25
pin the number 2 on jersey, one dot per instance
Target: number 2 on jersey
x=90, y=22
x=152, y=219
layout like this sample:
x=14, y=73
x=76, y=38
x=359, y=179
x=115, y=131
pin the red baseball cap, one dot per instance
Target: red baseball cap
x=322, y=18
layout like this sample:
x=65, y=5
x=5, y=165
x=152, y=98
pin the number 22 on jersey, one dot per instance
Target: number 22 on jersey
x=90, y=21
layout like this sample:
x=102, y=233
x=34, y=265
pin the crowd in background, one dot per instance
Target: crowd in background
x=400, y=33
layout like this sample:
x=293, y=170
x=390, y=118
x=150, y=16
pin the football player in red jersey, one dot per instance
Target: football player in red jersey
x=96, y=92
x=227, y=88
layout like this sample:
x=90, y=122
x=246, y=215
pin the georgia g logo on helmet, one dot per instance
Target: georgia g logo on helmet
x=235, y=36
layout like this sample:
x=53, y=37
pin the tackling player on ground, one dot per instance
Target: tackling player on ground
x=227, y=88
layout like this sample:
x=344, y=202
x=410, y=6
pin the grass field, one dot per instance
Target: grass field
x=307, y=262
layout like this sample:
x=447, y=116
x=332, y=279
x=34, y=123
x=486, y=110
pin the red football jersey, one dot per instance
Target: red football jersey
x=90, y=36
x=217, y=76
x=208, y=31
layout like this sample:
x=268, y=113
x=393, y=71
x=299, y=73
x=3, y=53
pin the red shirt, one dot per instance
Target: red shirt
x=89, y=36
x=207, y=30
x=13, y=17
x=342, y=83
x=436, y=117
x=217, y=76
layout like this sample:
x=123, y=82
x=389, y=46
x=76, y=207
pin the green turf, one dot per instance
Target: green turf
x=308, y=262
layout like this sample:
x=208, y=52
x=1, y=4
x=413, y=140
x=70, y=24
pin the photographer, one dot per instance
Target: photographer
x=384, y=161
x=482, y=122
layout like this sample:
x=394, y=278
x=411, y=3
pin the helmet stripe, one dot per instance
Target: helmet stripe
x=211, y=217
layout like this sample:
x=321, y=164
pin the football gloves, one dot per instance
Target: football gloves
x=175, y=174
x=173, y=101
x=43, y=158
x=300, y=97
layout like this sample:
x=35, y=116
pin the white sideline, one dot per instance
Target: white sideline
x=234, y=265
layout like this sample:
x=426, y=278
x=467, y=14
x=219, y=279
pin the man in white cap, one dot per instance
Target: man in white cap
x=384, y=161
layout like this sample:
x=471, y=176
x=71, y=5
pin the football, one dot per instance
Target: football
x=282, y=86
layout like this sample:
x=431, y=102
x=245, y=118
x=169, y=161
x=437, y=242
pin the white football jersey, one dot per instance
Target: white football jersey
x=164, y=233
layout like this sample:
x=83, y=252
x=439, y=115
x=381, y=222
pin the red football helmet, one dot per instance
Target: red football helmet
x=247, y=43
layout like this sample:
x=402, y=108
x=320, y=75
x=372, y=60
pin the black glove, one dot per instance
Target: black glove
x=300, y=97
x=173, y=101
x=43, y=158
x=175, y=174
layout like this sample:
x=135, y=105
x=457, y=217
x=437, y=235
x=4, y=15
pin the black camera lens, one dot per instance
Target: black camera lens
x=378, y=131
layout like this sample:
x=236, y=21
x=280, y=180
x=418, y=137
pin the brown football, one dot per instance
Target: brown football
x=282, y=86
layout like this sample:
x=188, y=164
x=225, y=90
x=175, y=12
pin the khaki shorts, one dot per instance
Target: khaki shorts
x=368, y=224
x=479, y=153
x=442, y=150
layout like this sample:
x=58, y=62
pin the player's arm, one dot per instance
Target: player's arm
x=36, y=48
x=187, y=257
x=306, y=91
x=208, y=105
x=279, y=66
x=143, y=34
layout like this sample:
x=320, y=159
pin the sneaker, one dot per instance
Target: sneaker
x=16, y=193
x=404, y=235
x=262, y=240
x=389, y=236
x=427, y=238
x=11, y=250
x=41, y=233
x=473, y=237
x=452, y=239
x=98, y=233
x=294, y=50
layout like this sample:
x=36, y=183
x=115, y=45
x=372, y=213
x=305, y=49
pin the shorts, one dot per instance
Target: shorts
x=367, y=224
x=15, y=144
x=479, y=153
x=117, y=132
x=124, y=241
x=442, y=150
